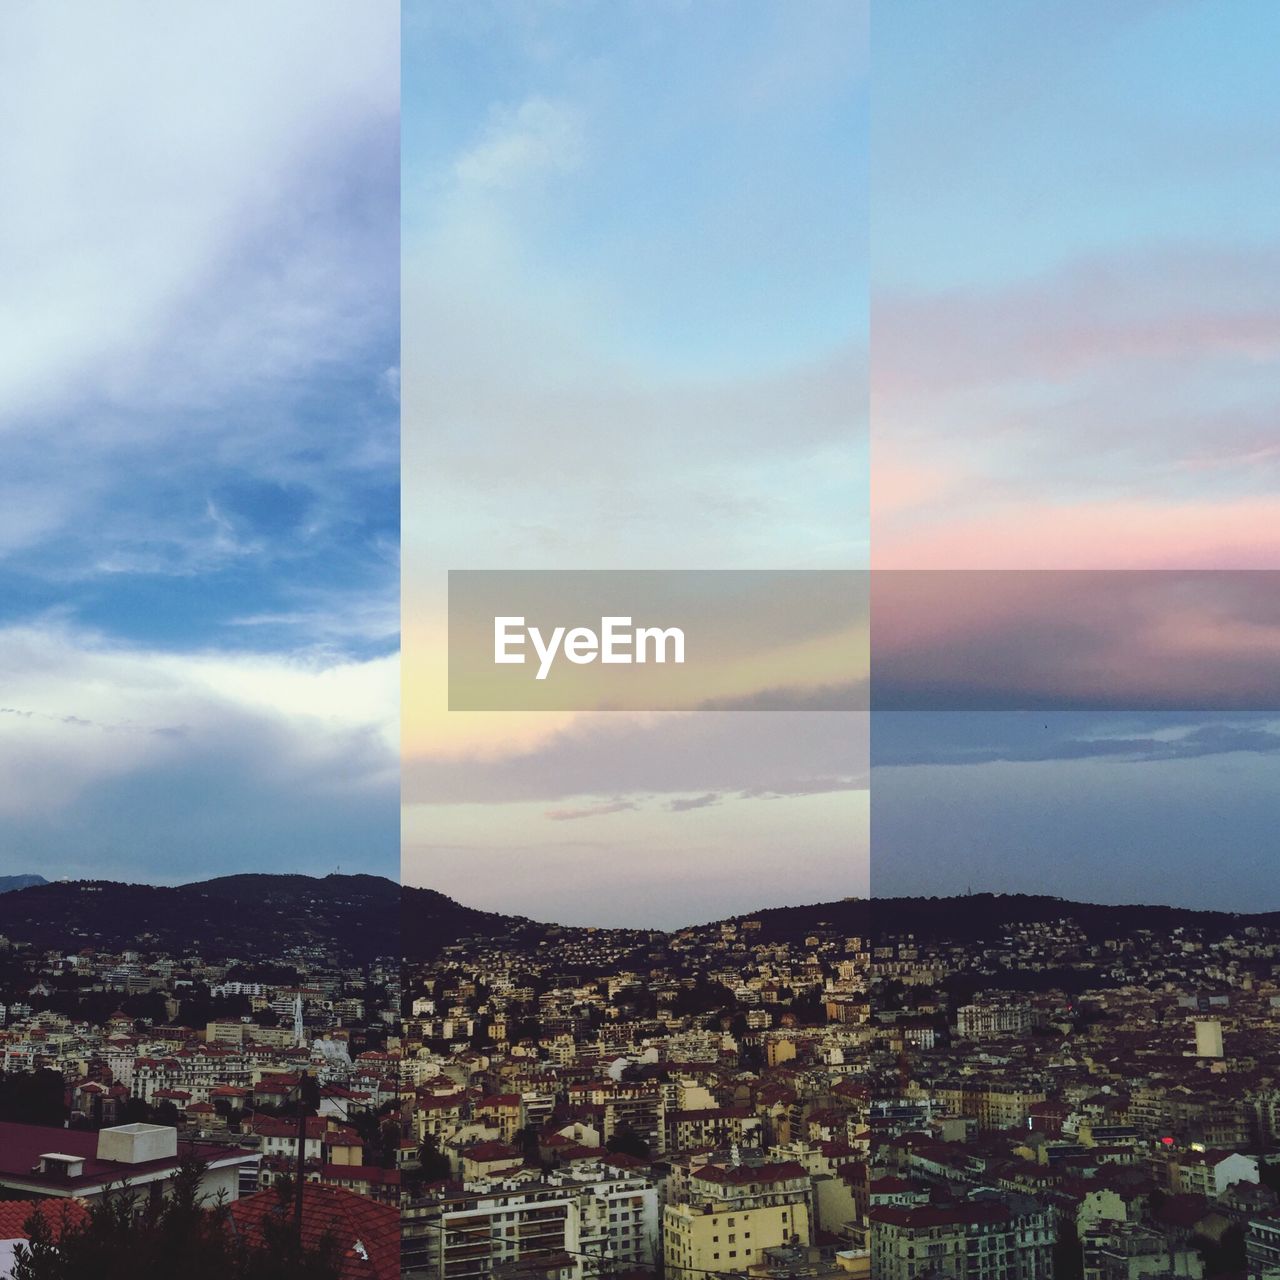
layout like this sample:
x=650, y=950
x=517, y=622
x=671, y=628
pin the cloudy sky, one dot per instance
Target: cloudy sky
x=641, y=267
x=1075, y=268
x=635, y=334
x=198, y=418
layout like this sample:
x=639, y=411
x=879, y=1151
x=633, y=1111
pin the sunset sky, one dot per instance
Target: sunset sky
x=643, y=284
x=634, y=337
x=1076, y=364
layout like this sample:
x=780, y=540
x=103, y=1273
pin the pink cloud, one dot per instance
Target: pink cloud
x=1116, y=413
x=1229, y=533
x=1176, y=304
x=589, y=811
x=1195, y=639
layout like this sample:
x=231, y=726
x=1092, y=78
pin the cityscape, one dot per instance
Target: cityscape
x=991, y=1086
x=318, y=962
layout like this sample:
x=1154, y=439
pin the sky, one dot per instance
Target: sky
x=199, y=502
x=635, y=336
x=1074, y=272
x=670, y=296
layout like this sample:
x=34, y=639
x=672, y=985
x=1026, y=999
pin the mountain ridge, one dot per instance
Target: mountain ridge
x=363, y=916
x=223, y=918
x=9, y=884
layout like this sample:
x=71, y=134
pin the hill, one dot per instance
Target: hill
x=979, y=917
x=10, y=883
x=431, y=921
x=253, y=916
x=360, y=917
x=242, y=917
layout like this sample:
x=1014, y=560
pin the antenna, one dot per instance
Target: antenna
x=300, y=1164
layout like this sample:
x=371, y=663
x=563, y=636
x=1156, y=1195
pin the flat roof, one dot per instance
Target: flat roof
x=22, y=1145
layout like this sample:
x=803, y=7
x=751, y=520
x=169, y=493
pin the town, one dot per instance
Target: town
x=995, y=1088
x=983, y=1088
x=122, y=1064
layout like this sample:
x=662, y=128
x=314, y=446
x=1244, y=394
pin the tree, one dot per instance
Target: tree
x=380, y=1134
x=165, y=1112
x=34, y=1097
x=135, y=1111
x=528, y=1143
x=435, y=1164
x=627, y=1142
x=1225, y=1256
x=125, y=1237
x=150, y=1006
x=1068, y=1261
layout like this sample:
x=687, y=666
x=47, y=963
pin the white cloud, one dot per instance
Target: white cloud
x=617, y=755
x=78, y=711
x=521, y=144
x=206, y=231
x=200, y=263
x=148, y=143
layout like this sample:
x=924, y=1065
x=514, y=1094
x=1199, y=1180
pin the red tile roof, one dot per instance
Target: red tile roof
x=367, y=1233
x=440, y=1101
x=275, y=1127
x=486, y=1152
x=745, y=1174
x=59, y=1214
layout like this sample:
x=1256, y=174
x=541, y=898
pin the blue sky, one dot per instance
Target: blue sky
x=712, y=164
x=1011, y=137
x=635, y=335
x=643, y=247
x=199, y=507
x=1075, y=268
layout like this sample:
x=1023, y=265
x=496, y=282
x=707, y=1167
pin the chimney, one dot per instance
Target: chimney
x=138, y=1143
x=54, y=1164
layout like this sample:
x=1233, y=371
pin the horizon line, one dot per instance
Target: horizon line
x=46, y=882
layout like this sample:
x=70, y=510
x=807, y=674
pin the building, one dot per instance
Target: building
x=711, y=1127
x=466, y=1235
x=1262, y=1249
x=732, y=1213
x=1005, y=1237
x=998, y=1018
x=1208, y=1038
x=366, y=1233
x=1129, y=1251
x=1210, y=1173
x=36, y=1160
